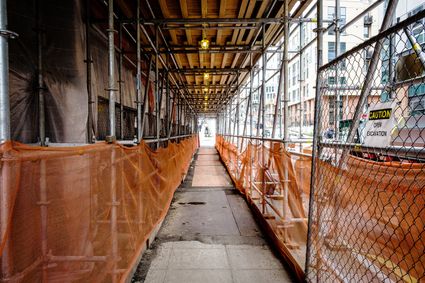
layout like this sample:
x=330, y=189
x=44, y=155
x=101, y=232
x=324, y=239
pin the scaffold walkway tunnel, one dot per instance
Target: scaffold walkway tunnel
x=212, y=141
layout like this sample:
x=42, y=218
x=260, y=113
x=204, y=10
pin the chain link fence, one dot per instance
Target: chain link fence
x=367, y=215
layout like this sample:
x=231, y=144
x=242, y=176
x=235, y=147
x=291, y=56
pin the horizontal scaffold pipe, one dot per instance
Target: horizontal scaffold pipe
x=268, y=139
x=154, y=139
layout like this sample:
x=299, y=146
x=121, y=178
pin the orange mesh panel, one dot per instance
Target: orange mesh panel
x=388, y=202
x=262, y=172
x=388, y=216
x=83, y=213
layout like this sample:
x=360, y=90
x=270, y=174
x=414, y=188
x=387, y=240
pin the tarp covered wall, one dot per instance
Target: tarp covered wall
x=63, y=55
x=64, y=71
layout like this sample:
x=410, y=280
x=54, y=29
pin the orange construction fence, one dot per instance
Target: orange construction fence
x=83, y=213
x=276, y=183
x=367, y=218
x=368, y=222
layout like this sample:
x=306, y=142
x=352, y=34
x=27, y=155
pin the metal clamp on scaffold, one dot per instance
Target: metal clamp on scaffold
x=8, y=33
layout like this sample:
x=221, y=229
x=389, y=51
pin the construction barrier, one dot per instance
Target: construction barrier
x=367, y=215
x=276, y=183
x=83, y=214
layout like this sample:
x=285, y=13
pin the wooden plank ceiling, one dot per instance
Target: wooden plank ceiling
x=230, y=41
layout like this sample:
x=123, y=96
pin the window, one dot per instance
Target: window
x=342, y=19
x=417, y=28
x=343, y=15
x=418, y=31
x=331, y=17
x=331, y=51
x=384, y=71
x=416, y=95
x=342, y=80
x=331, y=80
x=366, y=31
x=289, y=71
x=331, y=110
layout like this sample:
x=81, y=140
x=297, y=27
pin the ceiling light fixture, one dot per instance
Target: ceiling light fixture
x=205, y=44
x=206, y=76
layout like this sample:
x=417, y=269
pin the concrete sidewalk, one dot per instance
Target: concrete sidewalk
x=209, y=234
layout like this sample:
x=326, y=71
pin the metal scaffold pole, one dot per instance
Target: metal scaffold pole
x=337, y=51
x=111, y=138
x=285, y=75
x=316, y=132
x=157, y=100
x=145, y=100
x=111, y=74
x=120, y=81
x=167, y=117
x=263, y=118
x=285, y=111
x=5, y=193
x=40, y=88
x=251, y=81
x=301, y=79
x=140, y=111
x=89, y=61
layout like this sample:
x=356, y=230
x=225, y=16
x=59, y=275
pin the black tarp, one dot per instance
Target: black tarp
x=64, y=71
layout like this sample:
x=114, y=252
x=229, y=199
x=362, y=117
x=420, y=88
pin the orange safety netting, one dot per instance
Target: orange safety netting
x=83, y=213
x=367, y=219
x=266, y=173
x=370, y=216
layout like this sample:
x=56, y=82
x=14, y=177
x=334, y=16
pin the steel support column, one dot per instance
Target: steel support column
x=145, y=99
x=111, y=67
x=337, y=51
x=40, y=88
x=301, y=79
x=5, y=193
x=140, y=111
x=157, y=100
x=89, y=61
x=120, y=82
x=285, y=76
x=316, y=131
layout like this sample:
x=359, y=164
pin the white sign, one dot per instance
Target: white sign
x=380, y=122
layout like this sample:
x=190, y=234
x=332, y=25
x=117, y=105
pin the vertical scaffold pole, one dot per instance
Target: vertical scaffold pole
x=145, y=100
x=139, y=78
x=167, y=103
x=111, y=73
x=178, y=115
x=42, y=132
x=111, y=137
x=251, y=122
x=285, y=111
x=5, y=192
x=40, y=88
x=157, y=98
x=316, y=131
x=263, y=115
x=120, y=81
x=89, y=61
x=277, y=107
x=337, y=51
x=301, y=80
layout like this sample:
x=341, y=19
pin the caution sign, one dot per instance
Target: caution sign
x=380, y=114
x=379, y=124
